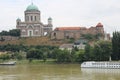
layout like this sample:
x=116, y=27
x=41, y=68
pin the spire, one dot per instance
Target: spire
x=32, y=2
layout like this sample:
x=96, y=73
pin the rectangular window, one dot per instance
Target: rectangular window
x=35, y=18
x=27, y=18
x=31, y=18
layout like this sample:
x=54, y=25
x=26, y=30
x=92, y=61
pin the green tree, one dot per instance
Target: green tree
x=73, y=55
x=55, y=53
x=18, y=55
x=2, y=39
x=88, y=36
x=80, y=56
x=87, y=54
x=116, y=45
x=5, y=56
x=14, y=32
x=102, y=50
x=98, y=35
x=62, y=55
x=4, y=33
x=34, y=53
x=44, y=57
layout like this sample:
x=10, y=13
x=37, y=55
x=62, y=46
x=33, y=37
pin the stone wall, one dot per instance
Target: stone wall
x=65, y=33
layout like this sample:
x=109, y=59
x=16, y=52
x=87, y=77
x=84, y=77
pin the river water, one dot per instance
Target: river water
x=56, y=72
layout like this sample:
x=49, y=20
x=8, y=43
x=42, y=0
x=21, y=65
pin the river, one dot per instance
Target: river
x=56, y=72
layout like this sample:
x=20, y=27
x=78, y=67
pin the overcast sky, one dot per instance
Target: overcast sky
x=84, y=13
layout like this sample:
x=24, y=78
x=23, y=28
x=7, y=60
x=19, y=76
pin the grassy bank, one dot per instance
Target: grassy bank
x=49, y=61
x=35, y=61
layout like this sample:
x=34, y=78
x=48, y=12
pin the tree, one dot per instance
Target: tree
x=88, y=36
x=44, y=57
x=98, y=35
x=73, y=55
x=102, y=50
x=5, y=56
x=116, y=46
x=62, y=55
x=14, y=32
x=18, y=55
x=4, y=33
x=2, y=39
x=87, y=53
x=34, y=53
x=55, y=53
x=80, y=56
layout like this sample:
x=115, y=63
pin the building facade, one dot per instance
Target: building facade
x=76, y=32
x=32, y=26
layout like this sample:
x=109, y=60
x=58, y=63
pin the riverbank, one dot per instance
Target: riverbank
x=50, y=61
x=36, y=61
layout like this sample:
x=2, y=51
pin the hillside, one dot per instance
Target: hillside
x=33, y=41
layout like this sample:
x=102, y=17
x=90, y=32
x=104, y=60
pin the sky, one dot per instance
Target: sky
x=84, y=13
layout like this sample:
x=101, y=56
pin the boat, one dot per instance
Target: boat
x=102, y=64
x=8, y=63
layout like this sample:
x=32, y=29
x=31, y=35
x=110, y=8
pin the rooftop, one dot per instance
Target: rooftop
x=32, y=7
x=69, y=28
x=99, y=25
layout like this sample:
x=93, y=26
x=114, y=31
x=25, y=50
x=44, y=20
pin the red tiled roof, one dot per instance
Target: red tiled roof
x=99, y=25
x=69, y=28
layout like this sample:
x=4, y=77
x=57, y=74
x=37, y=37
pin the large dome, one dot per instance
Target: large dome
x=32, y=7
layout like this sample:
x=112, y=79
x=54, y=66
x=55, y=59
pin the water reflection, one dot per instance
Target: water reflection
x=105, y=71
x=40, y=72
x=101, y=74
x=56, y=72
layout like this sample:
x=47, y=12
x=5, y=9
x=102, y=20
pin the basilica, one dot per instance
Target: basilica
x=32, y=26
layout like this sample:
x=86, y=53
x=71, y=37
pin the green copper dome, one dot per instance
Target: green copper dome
x=18, y=19
x=49, y=18
x=32, y=7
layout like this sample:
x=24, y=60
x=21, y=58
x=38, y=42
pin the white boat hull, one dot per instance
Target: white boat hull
x=101, y=65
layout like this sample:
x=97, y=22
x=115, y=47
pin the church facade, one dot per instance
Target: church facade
x=32, y=26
